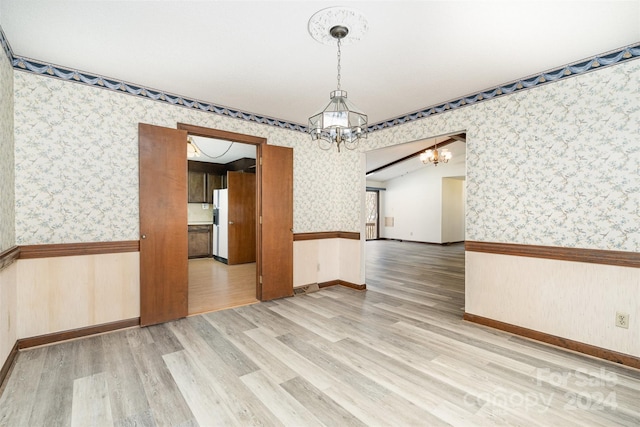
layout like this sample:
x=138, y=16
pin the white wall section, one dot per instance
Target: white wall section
x=453, y=202
x=419, y=202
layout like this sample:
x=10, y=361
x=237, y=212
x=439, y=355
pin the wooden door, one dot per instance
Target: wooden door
x=241, y=190
x=164, y=266
x=276, y=239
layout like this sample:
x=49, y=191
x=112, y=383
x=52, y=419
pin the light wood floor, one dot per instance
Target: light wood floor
x=397, y=354
x=214, y=285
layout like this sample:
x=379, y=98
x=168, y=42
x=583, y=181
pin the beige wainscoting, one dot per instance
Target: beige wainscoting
x=315, y=261
x=351, y=261
x=569, y=299
x=63, y=293
x=8, y=329
x=326, y=260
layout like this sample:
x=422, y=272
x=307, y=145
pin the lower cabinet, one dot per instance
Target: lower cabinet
x=200, y=241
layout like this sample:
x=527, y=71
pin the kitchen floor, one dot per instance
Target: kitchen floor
x=214, y=285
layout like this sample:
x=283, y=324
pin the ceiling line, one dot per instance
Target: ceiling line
x=91, y=79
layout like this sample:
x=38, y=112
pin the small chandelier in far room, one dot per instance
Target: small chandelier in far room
x=434, y=156
x=340, y=122
x=192, y=148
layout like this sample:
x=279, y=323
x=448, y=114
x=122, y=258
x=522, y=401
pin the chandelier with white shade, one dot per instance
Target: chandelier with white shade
x=340, y=122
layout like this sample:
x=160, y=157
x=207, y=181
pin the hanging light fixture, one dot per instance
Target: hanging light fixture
x=340, y=122
x=434, y=156
x=192, y=148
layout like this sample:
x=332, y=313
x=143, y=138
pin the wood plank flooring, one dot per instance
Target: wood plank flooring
x=214, y=285
x=397, y=354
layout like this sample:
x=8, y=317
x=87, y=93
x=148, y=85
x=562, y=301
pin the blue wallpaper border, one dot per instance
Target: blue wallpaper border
x=570, y=70
x=76, y=76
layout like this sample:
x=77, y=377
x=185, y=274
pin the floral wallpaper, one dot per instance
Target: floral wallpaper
x=77, y=162
x=554, y=165
x=557, y=165
x=7, y=170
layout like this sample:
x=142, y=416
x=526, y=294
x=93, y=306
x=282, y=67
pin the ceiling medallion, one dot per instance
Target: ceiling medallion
x=321, y=23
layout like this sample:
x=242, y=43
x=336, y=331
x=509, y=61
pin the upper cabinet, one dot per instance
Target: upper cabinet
x=203, y=179
x=216, y=182
x=198, y=188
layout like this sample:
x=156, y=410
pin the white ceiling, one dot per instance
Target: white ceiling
x=219, y=151
x=258, y=57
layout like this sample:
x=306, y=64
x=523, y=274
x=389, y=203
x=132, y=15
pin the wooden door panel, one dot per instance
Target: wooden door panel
x=276, y=242
x=242, y=217
x=163, y=224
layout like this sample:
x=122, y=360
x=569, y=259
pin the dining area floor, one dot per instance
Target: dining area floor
x=397, y=354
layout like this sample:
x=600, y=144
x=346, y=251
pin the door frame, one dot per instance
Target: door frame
x=244, y=139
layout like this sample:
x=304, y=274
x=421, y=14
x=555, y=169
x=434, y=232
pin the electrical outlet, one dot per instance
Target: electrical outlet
x=622, y=320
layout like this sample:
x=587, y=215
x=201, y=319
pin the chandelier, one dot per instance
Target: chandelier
x=434, y=156
x=340, y=122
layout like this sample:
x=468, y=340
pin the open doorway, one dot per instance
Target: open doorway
x=222, y=235
x=411, y=197
x=421, y=211
x=163, y=219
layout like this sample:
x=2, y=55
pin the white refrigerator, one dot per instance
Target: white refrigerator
x=221, y=225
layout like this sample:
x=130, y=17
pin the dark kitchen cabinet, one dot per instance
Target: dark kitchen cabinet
x=200, y=241
x=198, y=187
x=202, y=184
x=216, y=181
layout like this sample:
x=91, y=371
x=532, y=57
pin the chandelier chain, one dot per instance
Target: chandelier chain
x=339, y=56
